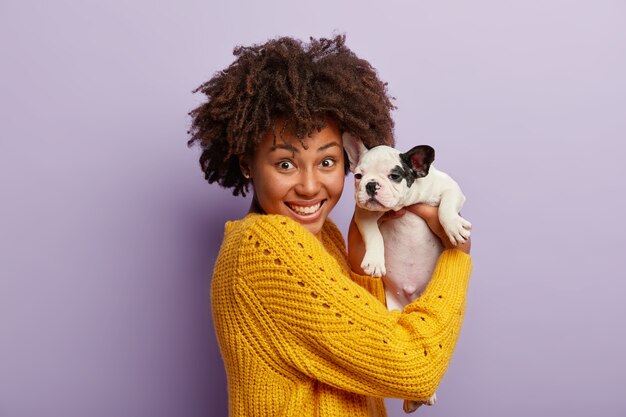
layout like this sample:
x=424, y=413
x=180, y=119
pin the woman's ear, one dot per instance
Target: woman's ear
x=244, y=166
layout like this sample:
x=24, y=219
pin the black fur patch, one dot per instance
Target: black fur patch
x=428, y=158
x=404, y=172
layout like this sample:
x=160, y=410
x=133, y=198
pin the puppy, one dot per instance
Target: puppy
x=403, y=251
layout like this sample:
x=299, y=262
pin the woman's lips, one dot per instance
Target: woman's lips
x=306, y=210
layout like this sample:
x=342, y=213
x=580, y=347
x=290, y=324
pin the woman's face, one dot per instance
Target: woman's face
x=303, y=184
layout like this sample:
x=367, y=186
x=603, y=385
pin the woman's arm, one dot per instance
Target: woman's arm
x=316, y=320
x=356, y=248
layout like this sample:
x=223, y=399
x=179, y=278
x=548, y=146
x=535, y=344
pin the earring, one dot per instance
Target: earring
x=246, y=175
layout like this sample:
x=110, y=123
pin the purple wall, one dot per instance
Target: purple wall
x=108, y=231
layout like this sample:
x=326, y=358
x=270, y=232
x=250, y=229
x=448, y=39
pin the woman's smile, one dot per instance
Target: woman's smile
x=307, y=210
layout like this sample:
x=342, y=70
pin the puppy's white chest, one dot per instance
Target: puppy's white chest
x=411, y=253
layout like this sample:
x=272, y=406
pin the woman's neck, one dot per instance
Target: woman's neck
x=255, y=207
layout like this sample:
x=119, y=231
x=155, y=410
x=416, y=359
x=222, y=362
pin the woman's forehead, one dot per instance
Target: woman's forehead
x=282, y=136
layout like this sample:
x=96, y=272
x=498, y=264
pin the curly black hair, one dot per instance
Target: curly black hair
x=304, y=84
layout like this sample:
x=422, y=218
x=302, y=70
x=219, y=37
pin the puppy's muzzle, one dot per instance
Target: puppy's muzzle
x=371, y=188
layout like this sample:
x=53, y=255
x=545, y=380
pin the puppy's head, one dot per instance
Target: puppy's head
x=383, y=175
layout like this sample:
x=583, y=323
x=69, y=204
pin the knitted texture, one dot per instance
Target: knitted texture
x=302, y=336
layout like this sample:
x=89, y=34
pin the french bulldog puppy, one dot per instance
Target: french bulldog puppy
x=403, y=251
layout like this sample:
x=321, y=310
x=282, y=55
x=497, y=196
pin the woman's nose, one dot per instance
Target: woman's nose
x=308, y=183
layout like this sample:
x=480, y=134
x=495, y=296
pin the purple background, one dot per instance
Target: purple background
x=108, y=232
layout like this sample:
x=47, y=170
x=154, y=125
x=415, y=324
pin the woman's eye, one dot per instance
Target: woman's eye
x=285, y=165
x=327, y=163
x=358, y=176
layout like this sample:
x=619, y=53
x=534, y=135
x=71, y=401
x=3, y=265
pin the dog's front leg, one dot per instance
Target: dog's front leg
x=373, y=263
x=456, y=227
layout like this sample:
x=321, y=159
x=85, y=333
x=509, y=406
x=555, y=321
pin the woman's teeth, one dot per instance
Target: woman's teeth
x=305, y=210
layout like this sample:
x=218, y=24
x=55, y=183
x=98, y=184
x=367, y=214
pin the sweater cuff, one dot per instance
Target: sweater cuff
x=373, y=285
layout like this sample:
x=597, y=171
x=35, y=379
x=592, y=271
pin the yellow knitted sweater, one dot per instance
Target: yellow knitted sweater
x=302, y=336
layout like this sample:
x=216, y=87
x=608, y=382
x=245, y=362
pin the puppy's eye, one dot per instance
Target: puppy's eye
x=358, y=176
x=395, y=177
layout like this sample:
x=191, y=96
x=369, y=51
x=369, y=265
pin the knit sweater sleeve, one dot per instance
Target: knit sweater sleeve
x=329, y=328
x=374, y=285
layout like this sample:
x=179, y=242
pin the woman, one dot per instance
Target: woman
x=300, y=331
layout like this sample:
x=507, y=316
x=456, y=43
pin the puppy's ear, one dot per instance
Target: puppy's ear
x=419, y=159
x=354, y=148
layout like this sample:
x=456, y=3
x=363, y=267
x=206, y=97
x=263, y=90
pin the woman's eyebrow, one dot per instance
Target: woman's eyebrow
x=284, y=146
x=292, y=148
x=328, y=145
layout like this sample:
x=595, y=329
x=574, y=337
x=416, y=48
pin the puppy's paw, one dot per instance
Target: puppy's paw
x=373, y=264
x=457, y=229
x=432, y=400
x=410, y=406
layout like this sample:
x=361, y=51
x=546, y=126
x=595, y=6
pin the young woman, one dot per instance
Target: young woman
x=300, y=331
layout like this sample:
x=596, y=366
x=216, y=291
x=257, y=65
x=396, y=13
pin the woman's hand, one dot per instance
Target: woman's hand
x=430, y=214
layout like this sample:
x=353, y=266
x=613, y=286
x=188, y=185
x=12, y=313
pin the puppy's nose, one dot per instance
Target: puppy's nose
x=371, y=188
